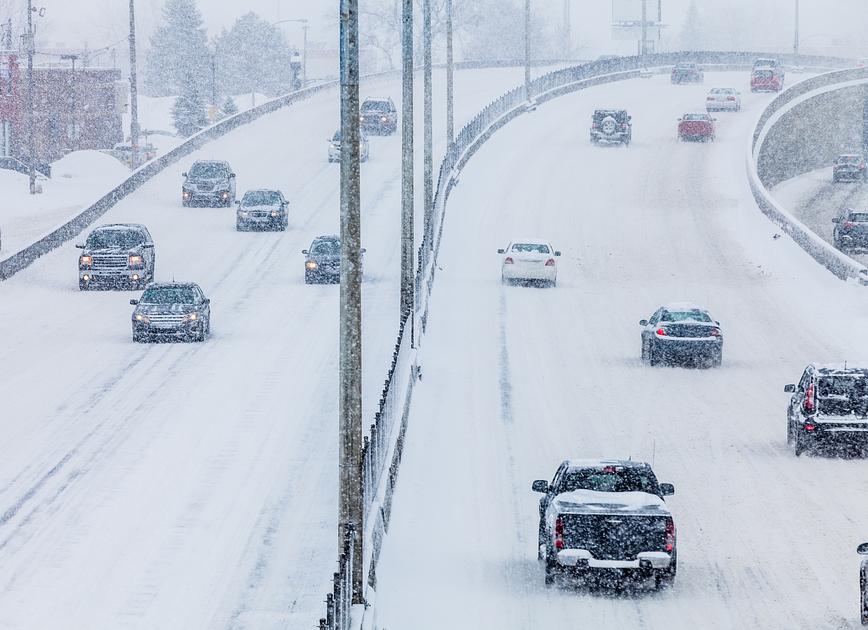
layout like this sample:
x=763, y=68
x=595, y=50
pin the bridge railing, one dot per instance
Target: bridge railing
x=384, y=444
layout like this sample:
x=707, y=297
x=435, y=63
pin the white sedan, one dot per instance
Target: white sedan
x=723, y=99
x=529, y=260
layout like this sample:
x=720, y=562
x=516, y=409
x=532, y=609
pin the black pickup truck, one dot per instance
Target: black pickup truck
x=606, y=518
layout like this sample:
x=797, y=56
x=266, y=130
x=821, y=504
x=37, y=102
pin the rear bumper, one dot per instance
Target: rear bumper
x=853, y=240
x=848, y=175
x=618, y=136
x=845, y=432
x=721, y=106
x=537, y=272
x=675, y=347
x=582, y=559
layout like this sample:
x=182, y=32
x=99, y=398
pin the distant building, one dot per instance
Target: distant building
x=71, y=110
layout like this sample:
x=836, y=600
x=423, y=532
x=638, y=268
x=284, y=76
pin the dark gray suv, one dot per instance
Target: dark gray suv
x=119, y=255
x=208, y=183
x=322, y=261
x=262, y=210
x=171, y=310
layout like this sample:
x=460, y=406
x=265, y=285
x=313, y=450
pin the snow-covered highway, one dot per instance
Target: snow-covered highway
x=194, y=486
x=517, y=379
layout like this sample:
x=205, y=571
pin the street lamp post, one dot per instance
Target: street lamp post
x=134, y=91
x=303, y=22
x=74, y=138
x=527, y=49
x=796, y=31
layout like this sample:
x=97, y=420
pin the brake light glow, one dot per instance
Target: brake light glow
x=730, y=98
x=809, y=427
x=661, y=332
x=550, y=262
x=809, y=405
x=709, y=98
x=715, y=332
x=559, y=533
x=669, y=544
x=848, y=225
x=508, y=260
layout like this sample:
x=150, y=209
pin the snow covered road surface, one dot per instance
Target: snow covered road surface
x=517, y=379
x=194, y=486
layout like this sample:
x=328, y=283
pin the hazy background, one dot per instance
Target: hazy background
x=834, y=26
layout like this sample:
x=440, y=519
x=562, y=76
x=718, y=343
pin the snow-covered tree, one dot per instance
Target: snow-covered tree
x=692, y=35
x=253, y=56
x=189, y=113
x=229, y=108
x=178, y=52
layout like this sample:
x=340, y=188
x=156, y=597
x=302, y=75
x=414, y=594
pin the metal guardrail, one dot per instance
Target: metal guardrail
x=835, y=261
x=387, y=432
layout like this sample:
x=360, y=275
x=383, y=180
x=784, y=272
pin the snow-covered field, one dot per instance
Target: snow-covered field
x=194, y=486
x=815, y=200
x=517, y=379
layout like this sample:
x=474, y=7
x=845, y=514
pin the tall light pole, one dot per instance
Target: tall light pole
x=567, y=34
x=407, y=191
x=72, y=58
x=450, y=78
x=644, y=46
x=527, y=49
x=31, y=144
x=134, y=90
x=428, y=131
x=796, y=31
x=350, y=447
x=303, y=22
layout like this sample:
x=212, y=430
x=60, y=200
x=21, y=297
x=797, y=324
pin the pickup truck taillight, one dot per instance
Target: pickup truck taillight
x=559, y=533
x=550, y=262
x=669, y=545
x=508, y=261
x=809, y=405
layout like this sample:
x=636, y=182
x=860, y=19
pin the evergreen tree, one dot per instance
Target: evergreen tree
x=188, y=112
x=253, y=56
x=229, y=108
x=691, y=33
x=179, y=50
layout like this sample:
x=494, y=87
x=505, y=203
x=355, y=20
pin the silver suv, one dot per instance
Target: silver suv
x=117, y=255
x=208, y=183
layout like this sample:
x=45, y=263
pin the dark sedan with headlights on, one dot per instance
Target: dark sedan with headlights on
x=681, y=332
x=171, y=311
x=322, y=262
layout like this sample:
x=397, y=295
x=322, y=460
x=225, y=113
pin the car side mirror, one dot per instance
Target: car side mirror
x=362, y=250
x=680, y=119
x=231, y=175
x=184, y=174
x=629, y=118
x=862, y=549
x=238, y=202
x=134, y=302
x=501, y=251
x=148, y=245
x=80, y=245
x=557, y=253
x=714, y=119
x=304, y=251
x=836, y=220
x=790, y=388
x=643, y=322
x=540, y=485
x=667, y=489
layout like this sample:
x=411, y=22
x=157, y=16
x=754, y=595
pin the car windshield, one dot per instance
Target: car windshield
x=841, y=395
x=326, y=248
x=858, y=217
x=685, y=316
x=610, y=479
x=169, y=295
x=686, y=66
x=696, y=117
x=617, y=115
x=375, y=106
x=121, y=239
x=260, y=198
x=209, y=170
x=530, y=248
x=763, y=74
x=722, y=91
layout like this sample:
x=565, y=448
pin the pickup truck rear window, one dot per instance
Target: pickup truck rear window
x=610, y=479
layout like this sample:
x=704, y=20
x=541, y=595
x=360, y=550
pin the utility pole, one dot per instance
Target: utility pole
x=796, y=31
x=567, y=35
x=450, y=78
x=428, y=131
x=31, y=145
x=527, y=49
x=304, y=56
x=350, y=449
x=643, y=48
x=214, y=80
x=407, y=192
x=134, y=90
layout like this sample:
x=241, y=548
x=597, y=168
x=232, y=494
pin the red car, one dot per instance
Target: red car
x=696, y=127
x=766, y=80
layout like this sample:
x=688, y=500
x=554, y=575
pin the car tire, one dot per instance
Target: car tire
x=138, y=338
x=82, y=285
x=800, y=442
x=200, y=336
x=308, y=278
x=863, y=599
x=653, y=357
x=790, y=432
x=717, y=359
x=665, y=578
x=552, y=571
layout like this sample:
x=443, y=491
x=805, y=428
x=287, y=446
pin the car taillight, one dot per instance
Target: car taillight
x=730, y=98
x=559, y=533
x=809, y=405
x=550, y=262
x=624, y=127
x=848, y=225
x=661, y=332
x=669, y=544
x=809, y=427
x=508, y=260
x=715, y=332
x=595, y=126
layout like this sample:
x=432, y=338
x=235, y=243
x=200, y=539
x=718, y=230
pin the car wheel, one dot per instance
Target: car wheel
x=717, y=359
x=200, y=336
x=790, y=431
x=308, y=278
x=553, y=571
x=863, y=583
x=665, y=578
x=138, y=338
x=800, y=442
x=82, y=285
x=653, y=358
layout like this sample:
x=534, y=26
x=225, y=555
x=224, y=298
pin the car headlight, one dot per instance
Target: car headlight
x=225, y=194
x=191, y=317
x=142, y=318
x=384, y=119
x=136, y=261
x=275, y=213
x=243, y=213
x=310, y=265
x=85, y=261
